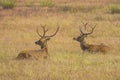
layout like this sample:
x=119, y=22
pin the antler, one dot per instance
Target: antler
x=85, y=24
x=54, y=33
x=91, y=30
x=45, y=30
x=85, y=29
x=38, y=32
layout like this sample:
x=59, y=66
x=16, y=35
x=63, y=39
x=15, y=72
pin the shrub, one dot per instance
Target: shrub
x=47, y=3
x=114, y=9
x=7, y=4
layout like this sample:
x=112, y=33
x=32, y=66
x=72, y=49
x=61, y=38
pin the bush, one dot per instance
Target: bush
x=114, y=9
x=7, y=4
x=47, y=3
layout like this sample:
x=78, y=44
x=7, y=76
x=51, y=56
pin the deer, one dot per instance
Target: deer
x=92, y=48
x=42, y=42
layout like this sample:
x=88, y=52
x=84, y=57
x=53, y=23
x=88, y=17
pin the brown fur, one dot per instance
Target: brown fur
x=42, y=42
x=90, y=48
x=34, y=54
x=93, y=48
x=96, y=48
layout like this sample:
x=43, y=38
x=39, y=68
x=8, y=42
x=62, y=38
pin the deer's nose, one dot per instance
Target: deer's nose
x=74, y=38
x=36, y=42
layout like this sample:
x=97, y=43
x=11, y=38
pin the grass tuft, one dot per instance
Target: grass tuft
x=7, y=4
x=47, y=3
x=114, y=9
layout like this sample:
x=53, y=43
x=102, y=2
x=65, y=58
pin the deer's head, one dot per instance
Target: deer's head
x=43, y=38
x=83, y=35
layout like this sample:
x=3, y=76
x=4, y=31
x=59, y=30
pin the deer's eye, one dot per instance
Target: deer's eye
x=79, y=37
x=48, y=38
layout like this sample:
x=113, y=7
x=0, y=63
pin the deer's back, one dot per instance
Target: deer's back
x=97, y=48
x=36, y=54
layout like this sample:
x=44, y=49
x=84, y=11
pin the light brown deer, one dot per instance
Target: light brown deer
x=90, y=47
x=42, y=42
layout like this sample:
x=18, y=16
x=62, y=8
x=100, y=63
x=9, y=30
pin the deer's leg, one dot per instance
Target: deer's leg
x=21, y=56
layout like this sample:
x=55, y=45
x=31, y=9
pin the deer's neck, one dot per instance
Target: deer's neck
x=45, y=47
x=83, y=45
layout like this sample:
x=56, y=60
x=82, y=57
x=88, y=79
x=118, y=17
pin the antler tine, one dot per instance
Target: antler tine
x=55, y=32
x=38, y=32
x=81, y=30
x=85, y=24
x=91, y=30
x=44, y=30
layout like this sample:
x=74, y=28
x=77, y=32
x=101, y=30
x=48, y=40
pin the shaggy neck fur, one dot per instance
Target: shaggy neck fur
x=44, y=47
x=83, y=45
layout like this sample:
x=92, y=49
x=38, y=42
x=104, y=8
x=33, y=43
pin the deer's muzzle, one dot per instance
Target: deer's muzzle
x=74, y=38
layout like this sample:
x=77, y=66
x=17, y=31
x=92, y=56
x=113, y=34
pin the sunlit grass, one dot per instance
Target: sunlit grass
x=66, y=61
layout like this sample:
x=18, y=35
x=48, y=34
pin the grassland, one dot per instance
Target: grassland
x=66, y=61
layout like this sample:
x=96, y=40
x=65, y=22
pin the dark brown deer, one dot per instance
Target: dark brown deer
x=42, y=42
x=90, y=47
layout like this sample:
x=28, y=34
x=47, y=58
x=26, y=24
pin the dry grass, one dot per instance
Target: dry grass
x=66, y=62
